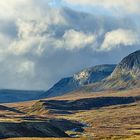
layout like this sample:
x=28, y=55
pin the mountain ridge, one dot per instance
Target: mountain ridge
x=125, y=75
x=129, y=65
x=79, y=79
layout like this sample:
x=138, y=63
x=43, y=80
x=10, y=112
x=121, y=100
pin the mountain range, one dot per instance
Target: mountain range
x=84, y=77
x=125, y=75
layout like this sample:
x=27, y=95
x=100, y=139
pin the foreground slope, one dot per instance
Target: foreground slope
x=16, y=123
x=103, y=115
x=29, y=129
x=84, y=77
x=106, y=114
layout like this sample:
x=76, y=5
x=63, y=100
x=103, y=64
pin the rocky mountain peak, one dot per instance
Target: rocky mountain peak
x=93, y=74
x=130, y=65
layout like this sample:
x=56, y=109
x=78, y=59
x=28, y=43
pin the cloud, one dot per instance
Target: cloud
x=9, y=8
x=33, y=27
x=128, y=6
x=25, y=69
x=4, y=41
x=40, y=44
x=118, y=38
x=73, y=40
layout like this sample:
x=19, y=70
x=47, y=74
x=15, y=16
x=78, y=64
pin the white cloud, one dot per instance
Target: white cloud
x=75, y=40
x=32, y=19
x=4, y=41
x=33, y=23
x=25, y=68
x=119, y=37
x=130, y=6
x=9, y=8
x=24, y=46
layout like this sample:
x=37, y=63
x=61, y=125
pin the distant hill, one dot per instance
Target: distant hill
x=8, y=96
x=84, y=77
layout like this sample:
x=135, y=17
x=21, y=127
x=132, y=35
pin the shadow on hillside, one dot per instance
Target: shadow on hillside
x=89, y=103
x=30, y=129
x=67, y=125
x=5, y=108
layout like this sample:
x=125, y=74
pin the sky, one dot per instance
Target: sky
x=42, y=41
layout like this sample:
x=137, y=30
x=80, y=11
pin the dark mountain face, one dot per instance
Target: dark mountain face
x=130, y=65
x=84, y=77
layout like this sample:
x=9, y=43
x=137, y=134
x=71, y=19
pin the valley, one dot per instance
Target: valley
x=70, y=70
x=75, y=115
x=98, y=103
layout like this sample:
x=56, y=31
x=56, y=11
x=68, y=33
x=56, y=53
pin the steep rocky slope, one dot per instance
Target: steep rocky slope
x=129, y=66
x=125, y=76
x=84, y=77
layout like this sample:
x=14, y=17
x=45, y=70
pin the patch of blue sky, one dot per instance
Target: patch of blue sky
x=93, y=9
x=97, y=10
x=56, y=3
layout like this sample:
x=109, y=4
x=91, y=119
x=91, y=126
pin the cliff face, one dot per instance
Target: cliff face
x=125, y=76
x=130, y=65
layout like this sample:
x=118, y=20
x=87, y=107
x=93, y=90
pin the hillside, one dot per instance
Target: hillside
x=16, y=123
x=84, y=77
x=125, y=76
x=104, y=115
x=129, y=66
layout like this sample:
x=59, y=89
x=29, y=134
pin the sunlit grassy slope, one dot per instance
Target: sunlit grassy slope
x=113, y=121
